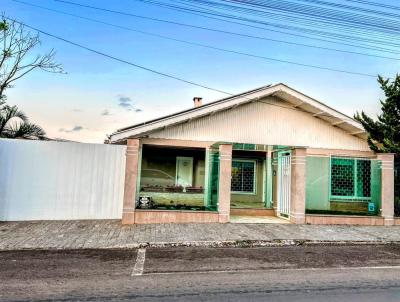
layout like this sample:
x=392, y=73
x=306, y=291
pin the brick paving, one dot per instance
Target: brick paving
x=93, y=234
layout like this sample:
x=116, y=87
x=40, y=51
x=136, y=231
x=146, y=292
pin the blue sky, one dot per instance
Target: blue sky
x=98, y=95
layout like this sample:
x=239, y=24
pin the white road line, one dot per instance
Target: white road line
x=274, y=270
x=139, y=264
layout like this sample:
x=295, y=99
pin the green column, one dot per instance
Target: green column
x=268, y=181
x=211, y=179
x=140, y=151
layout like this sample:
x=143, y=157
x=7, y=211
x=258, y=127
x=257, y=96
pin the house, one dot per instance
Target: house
x=269, y=151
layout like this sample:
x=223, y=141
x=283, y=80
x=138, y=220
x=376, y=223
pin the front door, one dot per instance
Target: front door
x=284, y=180
x=184, y=171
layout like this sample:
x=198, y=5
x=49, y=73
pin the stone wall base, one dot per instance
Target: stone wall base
x=344, y=219
x=128, y=217
x=156, y=216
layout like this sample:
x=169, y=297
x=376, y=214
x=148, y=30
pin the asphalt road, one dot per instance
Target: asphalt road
x=303, y=273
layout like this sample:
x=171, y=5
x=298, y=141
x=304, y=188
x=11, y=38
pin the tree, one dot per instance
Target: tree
x=384, y=132
x=16, y=59
x=15, y=124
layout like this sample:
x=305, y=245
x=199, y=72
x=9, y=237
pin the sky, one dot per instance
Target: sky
x=97, y=95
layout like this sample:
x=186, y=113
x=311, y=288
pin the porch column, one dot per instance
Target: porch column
x=131, y=176
x=387, y=189
x=298, y=186
x=224, y=184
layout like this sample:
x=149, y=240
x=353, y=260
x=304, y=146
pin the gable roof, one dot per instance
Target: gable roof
x=299, y=101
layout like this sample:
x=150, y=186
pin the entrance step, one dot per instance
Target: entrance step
x=252, y=212
x=257, y=219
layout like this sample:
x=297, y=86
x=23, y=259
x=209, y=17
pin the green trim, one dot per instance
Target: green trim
x=355, y=196
x=206, y=176
x=254, y=176
x=268, y=182
x=344, y=213
x=348, y=198
x=213, y=179
x=139, y=171
x=243, y=146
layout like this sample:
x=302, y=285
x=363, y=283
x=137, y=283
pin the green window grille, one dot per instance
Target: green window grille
x=243, y=176
x=350, y=179
x=240, y=146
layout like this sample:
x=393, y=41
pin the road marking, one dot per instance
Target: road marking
x=139, y=264
x=274, y=270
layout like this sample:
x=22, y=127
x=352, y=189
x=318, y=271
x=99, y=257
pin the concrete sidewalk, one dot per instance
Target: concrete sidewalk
x=111, y=234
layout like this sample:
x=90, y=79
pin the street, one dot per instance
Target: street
x=301, y=273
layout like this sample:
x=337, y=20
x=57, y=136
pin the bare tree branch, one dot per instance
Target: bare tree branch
x=16, y=60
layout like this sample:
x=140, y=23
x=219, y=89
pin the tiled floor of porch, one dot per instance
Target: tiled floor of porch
x=257, y=219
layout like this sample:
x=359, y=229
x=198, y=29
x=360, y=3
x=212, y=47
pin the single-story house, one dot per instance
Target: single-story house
x=268, y=151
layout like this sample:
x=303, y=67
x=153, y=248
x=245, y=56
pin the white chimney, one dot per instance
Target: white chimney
x=197, y=102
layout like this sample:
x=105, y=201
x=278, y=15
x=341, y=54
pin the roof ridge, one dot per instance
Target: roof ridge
x=194, y=108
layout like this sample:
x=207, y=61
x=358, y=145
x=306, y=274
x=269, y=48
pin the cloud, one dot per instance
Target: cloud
x=74, y=129
x=106, y=112
x=127, y=103
x=77, y=110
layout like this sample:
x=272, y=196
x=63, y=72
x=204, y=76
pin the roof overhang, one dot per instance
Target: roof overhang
x=295, y=98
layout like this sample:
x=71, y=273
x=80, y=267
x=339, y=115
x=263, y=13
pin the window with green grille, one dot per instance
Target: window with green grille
x=350, y=178
x=243, y=176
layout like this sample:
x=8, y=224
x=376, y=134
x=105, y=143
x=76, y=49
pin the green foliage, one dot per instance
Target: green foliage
x=15, y=124
x=3, y=25
x=384, y=132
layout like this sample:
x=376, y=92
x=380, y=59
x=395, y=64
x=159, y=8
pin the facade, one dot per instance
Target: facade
x=269, y=151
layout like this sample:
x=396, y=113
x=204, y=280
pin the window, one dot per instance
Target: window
x=243, y=176
x=350, y=178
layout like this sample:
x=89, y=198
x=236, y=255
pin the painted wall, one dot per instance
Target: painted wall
x=270, y=121
x=41, y=180
x=317, y=183
x=258, y=197
x=317, y=187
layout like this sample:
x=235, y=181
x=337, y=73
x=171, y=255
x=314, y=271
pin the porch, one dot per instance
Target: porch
x=187, y=181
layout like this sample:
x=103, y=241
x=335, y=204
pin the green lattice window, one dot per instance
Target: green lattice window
x=350, y=178
x=240, y=146
x=243, y=176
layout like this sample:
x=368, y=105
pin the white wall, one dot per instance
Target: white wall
x=266, y=124
x=60, y=180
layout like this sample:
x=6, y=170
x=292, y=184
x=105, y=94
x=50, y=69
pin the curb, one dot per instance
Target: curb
x=255, y=243
x=217, y=244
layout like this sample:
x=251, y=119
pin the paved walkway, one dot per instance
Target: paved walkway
x=93, y=234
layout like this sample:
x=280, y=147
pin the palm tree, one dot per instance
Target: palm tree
x=15, y=124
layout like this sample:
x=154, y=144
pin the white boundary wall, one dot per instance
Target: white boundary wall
x=45, y=180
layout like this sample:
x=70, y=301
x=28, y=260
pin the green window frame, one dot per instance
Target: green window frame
x=241, y=146
x=350, y=179
x=239, y=175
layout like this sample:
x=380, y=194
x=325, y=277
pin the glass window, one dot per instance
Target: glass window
x=350, y=178
x=243, y=176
